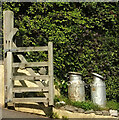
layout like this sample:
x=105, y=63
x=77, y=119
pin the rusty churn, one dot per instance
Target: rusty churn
x=98, y=90
x=76, y=90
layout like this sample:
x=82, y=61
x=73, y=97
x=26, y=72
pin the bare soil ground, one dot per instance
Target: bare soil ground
x=6, y=113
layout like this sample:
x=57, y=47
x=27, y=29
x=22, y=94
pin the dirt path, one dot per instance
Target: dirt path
x=15, y=114
x=30, y=116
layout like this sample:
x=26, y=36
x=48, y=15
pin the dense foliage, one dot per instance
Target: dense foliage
x=84, y=37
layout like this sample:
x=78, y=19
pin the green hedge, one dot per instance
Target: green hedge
x=84, y=37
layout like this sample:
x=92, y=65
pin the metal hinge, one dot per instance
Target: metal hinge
x=10, y=50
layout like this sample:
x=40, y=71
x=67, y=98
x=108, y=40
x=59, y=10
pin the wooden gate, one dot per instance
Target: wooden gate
x=11, y=74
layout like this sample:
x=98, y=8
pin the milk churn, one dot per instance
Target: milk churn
x=98, y=90
x=76, y=90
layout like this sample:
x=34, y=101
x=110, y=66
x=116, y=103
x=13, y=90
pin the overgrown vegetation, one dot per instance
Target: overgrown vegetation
x=55, y=115
x=84, y=37
x=87, y=105
x=113, y=105
x=65, y=118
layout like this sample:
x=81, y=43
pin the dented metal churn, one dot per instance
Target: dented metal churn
x=76, y=90
x=98, y=90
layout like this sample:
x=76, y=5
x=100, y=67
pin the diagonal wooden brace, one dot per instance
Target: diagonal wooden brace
x=30, y=70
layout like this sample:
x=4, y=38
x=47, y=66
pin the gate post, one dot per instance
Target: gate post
x=9, y=31
x=7, y=26
x=1, y=84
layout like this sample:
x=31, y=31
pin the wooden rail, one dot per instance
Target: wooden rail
x=28, y=49
x=30, y=89
x=30, y=64
x=37, y=99
x=25, y=77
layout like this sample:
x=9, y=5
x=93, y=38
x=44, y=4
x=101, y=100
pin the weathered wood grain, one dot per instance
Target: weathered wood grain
x=37, y=99
x=8, y=24
x=25, y=77
x=50, y=70
x=28, y=49
x=30, y=89
x=30, y=64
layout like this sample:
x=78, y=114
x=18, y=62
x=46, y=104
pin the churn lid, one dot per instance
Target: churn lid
x=97, y=75
x=75, y=73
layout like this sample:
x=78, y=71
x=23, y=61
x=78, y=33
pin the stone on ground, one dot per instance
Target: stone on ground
x=89, y=111
x=98, y=112
x=80, y=110
x=105, y=113
x=113, y=113
x=70, y=108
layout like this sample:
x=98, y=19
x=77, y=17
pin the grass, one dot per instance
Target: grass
x=64, y=118
x=55, y=115
x=112, y=105
x=87, y=105
x=61, y=98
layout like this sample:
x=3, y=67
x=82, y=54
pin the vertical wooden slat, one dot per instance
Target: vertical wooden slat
x=50, y=71
x=9, y=76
